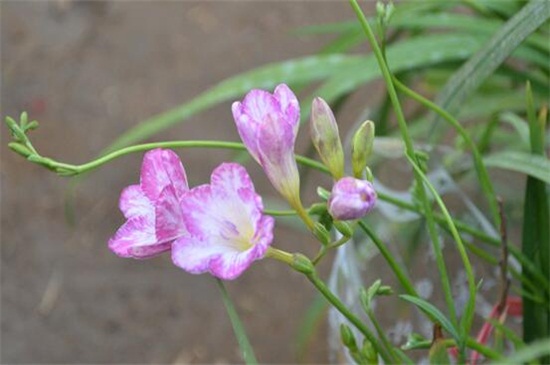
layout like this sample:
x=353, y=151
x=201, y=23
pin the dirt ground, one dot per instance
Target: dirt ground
x=87, y=71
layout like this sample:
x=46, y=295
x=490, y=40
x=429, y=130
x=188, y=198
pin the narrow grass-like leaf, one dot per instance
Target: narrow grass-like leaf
x=244, y=344
x=309, y=325
x=406, y=55
x=521, y=126
x=303, y=70
x=527, y=354
x=536, y=231
x=526, y=163
x=433, y=313
x=463, y=22
x=474, y=72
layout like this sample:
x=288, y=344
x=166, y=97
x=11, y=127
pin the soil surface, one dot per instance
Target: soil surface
x=88, y=71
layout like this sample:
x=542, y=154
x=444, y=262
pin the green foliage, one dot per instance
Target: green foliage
x=536, y=230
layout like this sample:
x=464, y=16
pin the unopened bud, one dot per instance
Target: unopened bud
x=318, y=209
x=369, y=353
x=321, y=233
x=20, y=149
x=325, y=137
x=361, y=147
x=323, y=193
x=351, y=199
x=344, y=227
x=348, y=339
x=302, y=264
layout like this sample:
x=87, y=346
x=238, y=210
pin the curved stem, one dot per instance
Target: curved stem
x=482, y=173
x=410, y=153
x=394, y=265
x=468, y=315
x=341, y=307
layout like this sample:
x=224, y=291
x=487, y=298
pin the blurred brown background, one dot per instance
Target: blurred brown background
x=87, y=71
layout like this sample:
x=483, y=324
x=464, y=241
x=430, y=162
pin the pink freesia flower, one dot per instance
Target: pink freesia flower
x=227, y=228
x=268, y=125
x=152, y=208
x=351, y=199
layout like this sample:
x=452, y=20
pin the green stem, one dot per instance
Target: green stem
x=409, y=151
x=341, y=307
x=390, y=259
x=280, y=213
x=323, y=251
x=238, y=328
x=280, y=255
x=482, y=173
x=303, y=214
x=396, y=358
x=468, y=316
x=471, y=343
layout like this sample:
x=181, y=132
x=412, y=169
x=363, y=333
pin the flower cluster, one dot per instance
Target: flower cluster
x=217, y=228
x=220, y=227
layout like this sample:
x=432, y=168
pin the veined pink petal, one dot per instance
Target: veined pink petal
x=168, y=216
x=258, y=104
x=227, y=231
x=152, y=208
x=268, y=125
x=231, y=265
x=289, y=105
x=133, y=202
x=159, y=169
x=247, y=129
x=136, y=232
x=276, y=150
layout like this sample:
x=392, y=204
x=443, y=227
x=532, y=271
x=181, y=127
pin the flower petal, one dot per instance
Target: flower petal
x=193, y=254
x=247, y=129
x=258, y=104
x=276, y=149
x=231, y=265
x=289, y=105
x=161, y=168
x=136, y=232
x=133, y=202
x=169, y=223
x=227, y=231
x=230, y=181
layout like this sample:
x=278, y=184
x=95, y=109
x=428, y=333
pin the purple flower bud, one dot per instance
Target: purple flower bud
x=351, y=199
x=325, y=137
x=268, y=125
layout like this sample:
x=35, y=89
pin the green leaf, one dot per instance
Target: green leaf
x=434, y=314
x=309, y=324
x=527, y=354
x=303, y=70
x=521, y=127
x=406, y=55
x=438, y=353
x=463, y=22
x=346, y=73
x=474, y=72
x=536, y=230
x=244, y=344
x=532, y=165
